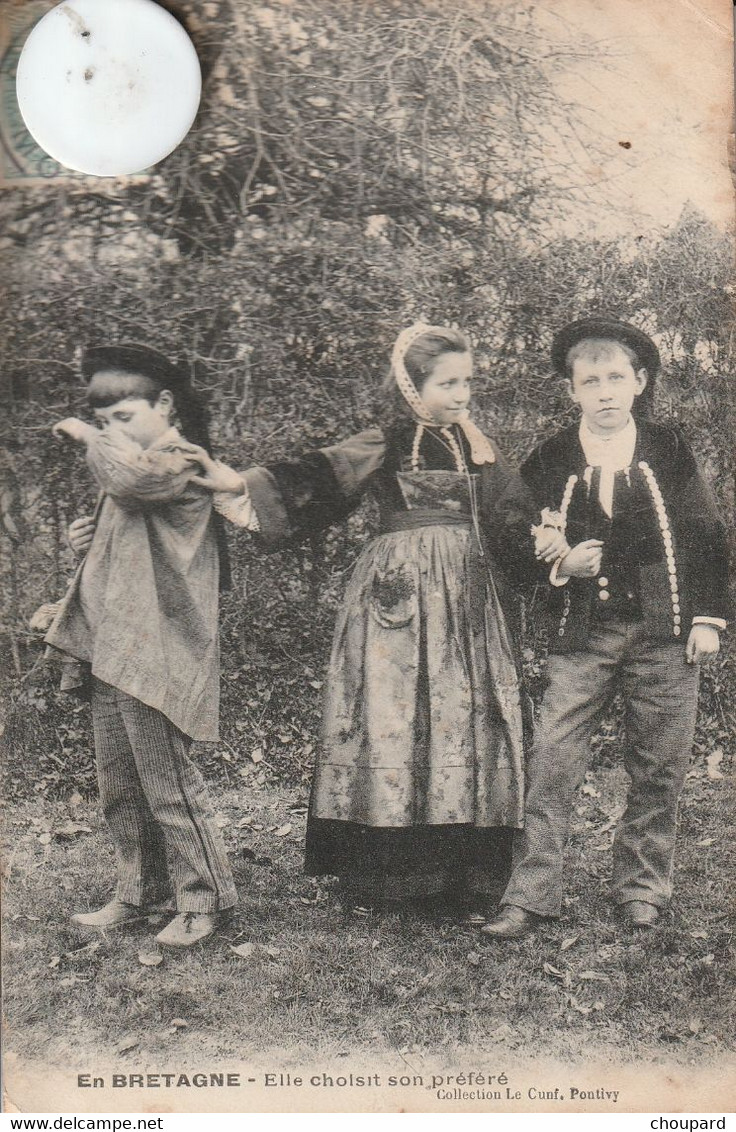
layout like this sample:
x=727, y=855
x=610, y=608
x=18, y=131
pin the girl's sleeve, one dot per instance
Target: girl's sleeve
x=126, y=471
x=291, y=499
x=509, y=509
x=237, y=509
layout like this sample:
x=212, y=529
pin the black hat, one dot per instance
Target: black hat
x=129, y=357
x=601, y=326
x=132, y=358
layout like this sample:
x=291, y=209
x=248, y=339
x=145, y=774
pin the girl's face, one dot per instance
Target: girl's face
x=446, y=392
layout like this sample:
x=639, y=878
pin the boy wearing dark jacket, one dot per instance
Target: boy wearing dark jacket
x=637, y=602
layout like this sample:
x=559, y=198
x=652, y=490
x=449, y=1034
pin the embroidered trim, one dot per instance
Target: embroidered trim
x=564, y=507
x=418, y=433
x=566, y=497
x=408, y=390
x=666, y=532
x=455, y=448
x=588, y=477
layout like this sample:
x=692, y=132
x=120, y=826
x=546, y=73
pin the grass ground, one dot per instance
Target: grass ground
x=322, y=981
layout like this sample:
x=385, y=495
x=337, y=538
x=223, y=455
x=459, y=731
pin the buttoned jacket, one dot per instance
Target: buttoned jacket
x=671, y=541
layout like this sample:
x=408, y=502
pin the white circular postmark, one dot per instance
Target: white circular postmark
x=108, y=87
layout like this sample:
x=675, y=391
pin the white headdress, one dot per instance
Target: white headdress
x=481, y=449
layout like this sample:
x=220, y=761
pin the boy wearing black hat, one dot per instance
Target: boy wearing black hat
x=637, y=602
x=141, y=614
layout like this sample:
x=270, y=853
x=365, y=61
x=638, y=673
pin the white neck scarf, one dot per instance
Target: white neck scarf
x=481, y=449
x=611, y=454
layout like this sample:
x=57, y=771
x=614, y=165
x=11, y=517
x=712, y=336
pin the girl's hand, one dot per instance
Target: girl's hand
x=80, y=534
x=703, y=643
x=549, y=544
x=583, y=561
x=217, y=476
x=74, y=429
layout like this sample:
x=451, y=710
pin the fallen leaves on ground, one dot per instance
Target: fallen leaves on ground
x=85, y=948
x=71, y=829
x=176, y=1025
x=243, y=950
x=150, y=956
x=126, y=1043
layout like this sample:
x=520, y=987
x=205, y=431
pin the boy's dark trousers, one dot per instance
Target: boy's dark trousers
x=660, y=694
x=154, y=799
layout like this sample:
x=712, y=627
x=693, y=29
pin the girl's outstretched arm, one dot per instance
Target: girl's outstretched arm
x=289, y=499
x=508, y=513
x=218, y=477
x=230, y=496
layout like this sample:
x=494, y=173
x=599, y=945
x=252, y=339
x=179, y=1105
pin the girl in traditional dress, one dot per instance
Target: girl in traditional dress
x=419, y=781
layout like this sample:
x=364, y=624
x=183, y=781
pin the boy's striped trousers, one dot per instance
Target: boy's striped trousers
x=157, y=809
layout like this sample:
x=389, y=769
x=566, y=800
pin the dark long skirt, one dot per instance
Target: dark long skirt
x=456, y=861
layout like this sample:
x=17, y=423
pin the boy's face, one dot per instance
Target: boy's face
x=136, y=418
x=446, y=392
x=605, y=385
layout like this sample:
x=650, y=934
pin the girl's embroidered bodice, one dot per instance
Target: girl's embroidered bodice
x=434, y=482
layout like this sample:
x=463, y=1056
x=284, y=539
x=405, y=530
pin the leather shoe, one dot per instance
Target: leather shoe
x=188, y=928
x=511, y=923
x=639, y=914
x=113, y=915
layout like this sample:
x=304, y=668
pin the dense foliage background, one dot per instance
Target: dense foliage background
x=354, y=166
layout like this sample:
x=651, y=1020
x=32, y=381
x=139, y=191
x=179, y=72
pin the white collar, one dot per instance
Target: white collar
x=613, y=452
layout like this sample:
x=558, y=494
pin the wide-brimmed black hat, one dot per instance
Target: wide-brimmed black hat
x=131, y=358
x=601, y=326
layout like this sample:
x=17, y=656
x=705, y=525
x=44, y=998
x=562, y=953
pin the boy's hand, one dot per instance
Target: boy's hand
x=80, y=534
x=218, y=476
x=702, y=643
x=74, y=429
x=549, y=544
x=583, y=561
x=42, y=619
